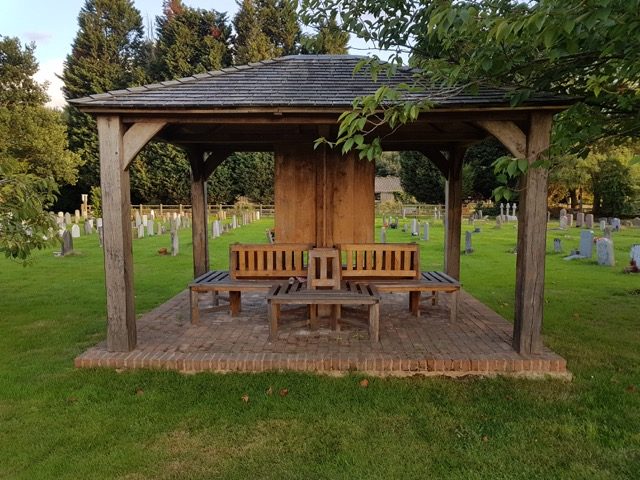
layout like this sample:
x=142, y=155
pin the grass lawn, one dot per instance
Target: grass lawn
x=59, y=422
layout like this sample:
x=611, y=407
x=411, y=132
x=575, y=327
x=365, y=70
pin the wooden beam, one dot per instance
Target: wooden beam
x=509, y=134
x=214, y=159
x=437, y=158
x=199, y=212
x=532, y=235
x=116, y=217
x=453, y=202
x=136, y=137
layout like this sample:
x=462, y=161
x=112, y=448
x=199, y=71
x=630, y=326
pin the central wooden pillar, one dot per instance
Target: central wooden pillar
x=453, y=205
x=116, y=218
x=199, y=207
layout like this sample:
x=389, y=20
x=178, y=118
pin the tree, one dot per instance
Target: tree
x=17, y=68
x=587, y=48
x=329, y=39
x=421, y=178
x=388, y=165
x=33, y=155
x=612, y=188
x=190, y=41
x=243, y=174
x=480, y=159
x=108, y=53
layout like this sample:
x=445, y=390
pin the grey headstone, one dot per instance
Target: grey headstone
x=138, y=219
x=145, y=220
x=603, y=225
x=588, y=221
x=234, y=222
x=425, y=234
x=75, y=231
x=498, y=222
x=570, y=220
x=480, y=216
x=383, y=235
x=579, y=219
x=615, y=223
x=563, y=222
x=634, y=254
x=88, y=227
x=563, y=212
x=67, y=219
x=607, y=231
x=604, y=248
x=414, y=228
x=140, y=231
x=557, y=245
x=150, y=230
x=99, y=223
x=501, y=210
x=404, y=227
x=636, y=222
x=467, y=243
x=67, y=243
x=175, y=243
x=77, y=216
x=586, y=243
x=514, y=212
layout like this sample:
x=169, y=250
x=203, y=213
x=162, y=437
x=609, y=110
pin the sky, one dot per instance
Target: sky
x=52, y=25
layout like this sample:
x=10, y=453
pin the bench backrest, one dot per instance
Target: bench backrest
x=279, y=260
x=380, y=260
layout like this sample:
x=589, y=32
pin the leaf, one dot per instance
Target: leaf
x=364, y=383
x=284, y=392
x=269, y=390
x=523, y=164
x=512, y=167
x=245, y=398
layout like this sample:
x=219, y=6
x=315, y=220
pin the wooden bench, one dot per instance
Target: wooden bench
x=352, y=293
x=395, y=268
x=252, y=268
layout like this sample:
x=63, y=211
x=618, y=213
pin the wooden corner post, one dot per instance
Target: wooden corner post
x=116, y=217
x=532, y=235
x=199, y=211
x=453, y=201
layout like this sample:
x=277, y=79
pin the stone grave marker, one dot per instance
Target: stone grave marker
x=570, y=220
x=586, y=243
x=607, y=232
x=140, y=231
x=615, y=223
x=404, y=228
x=67, y=219
x=138, y=219
x=234, y=222
x=468, y=249
x=498, y=222
x=636, y=222
x=414, y=228
x=557, y=245
x=145, y=220
x=579, y=219
x=604, y=251
x=88, y=226
x=588, y=220
x=563, y=222
x=383, y=235
x=67, y=243
x=75, y=231
x=563, y=212
x=150, y=225
x=152, y=214
x=603, y=225
x=175, y=242
x=425, y=230
x=77, y=216
x=634, y=254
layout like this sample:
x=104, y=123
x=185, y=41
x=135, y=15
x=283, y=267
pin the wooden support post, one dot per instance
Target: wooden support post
x=199, y=231
x=453, y=200
x=118, y=257
x=532, y=234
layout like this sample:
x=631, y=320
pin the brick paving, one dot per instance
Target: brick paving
x=478, y=343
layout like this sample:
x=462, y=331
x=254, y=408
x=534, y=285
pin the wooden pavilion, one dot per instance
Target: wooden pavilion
x=322, y=197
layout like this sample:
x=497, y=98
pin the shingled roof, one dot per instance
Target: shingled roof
x=292, y=81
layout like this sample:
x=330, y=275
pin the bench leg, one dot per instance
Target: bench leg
x=195, y=312
x=453, y=309
x=434, y=298
x=273, y=314
x=374, y=322
x=313, y=317
x=214, y=298
x=336, y=315
x=414, y=303
x=235, y=303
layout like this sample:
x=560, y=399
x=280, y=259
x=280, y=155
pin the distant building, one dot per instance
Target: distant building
x=385, y=188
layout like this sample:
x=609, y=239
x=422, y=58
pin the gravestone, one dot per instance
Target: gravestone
x=563, y=212
x=603, y=225
x=607, y=232
x=557, y=245
x=634, y=254
x=498, y=222
x=579, y=219
x=60, y=218
x=67, y=219
x=425, y=234
x=414, y=228
x=234, y=222
x=515, y=217
x=175, y=242
x=636, y=222
x=67, y=243
x=88, y=226
x=150, y=230
x=604, y=251
x=570, y=220
x=615, y=223
x=258, y=215
x=160, y=228
x=152, y=214
x=563, y=222
x=77, y=216
x=145, y=220
x=138, y=219
x=140, y=231
x=383, y=235
x=75, y=231
x=588, y=221
x=467, y=243
x=480, y=216
x=100, y=229
x=586, y=243
x=404, y=228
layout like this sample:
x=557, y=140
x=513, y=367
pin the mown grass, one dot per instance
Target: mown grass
x=59, y=422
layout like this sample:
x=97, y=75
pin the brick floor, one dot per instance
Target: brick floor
x=478, y=343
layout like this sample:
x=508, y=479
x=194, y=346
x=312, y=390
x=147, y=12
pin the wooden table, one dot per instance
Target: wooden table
x=352, y=293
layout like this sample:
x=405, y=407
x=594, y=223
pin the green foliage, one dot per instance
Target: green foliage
x=480, y=158
x=388, y=165
x=17, y=68
x=243, y=175
x=25, y=225
x=95, y=196
x=590, y=49
x=329, y=39
x=612, y=188
x=190, y=41
x=421, y=178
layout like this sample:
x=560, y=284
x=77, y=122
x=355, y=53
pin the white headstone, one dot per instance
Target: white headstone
x=570, y=220
x=514, y=211
x=383, y=235
x=563, y=212
x=138, y=219
x=588, y=221
x=75, y=231
x=615, y=223
x=216, y=230
x=234, y=222
x=77, y=216
x=99, y=223
x=140, y=231
x=145, y=220
x=258, y=215
x=604, y=248
x=603, y=225
x=634, y=254
x=579, y=219
x=563, y=222
x=152, y=214
x=586, y=243
x=150, y=226
x=67, y=219
x=175, y=243
x=414, y=228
